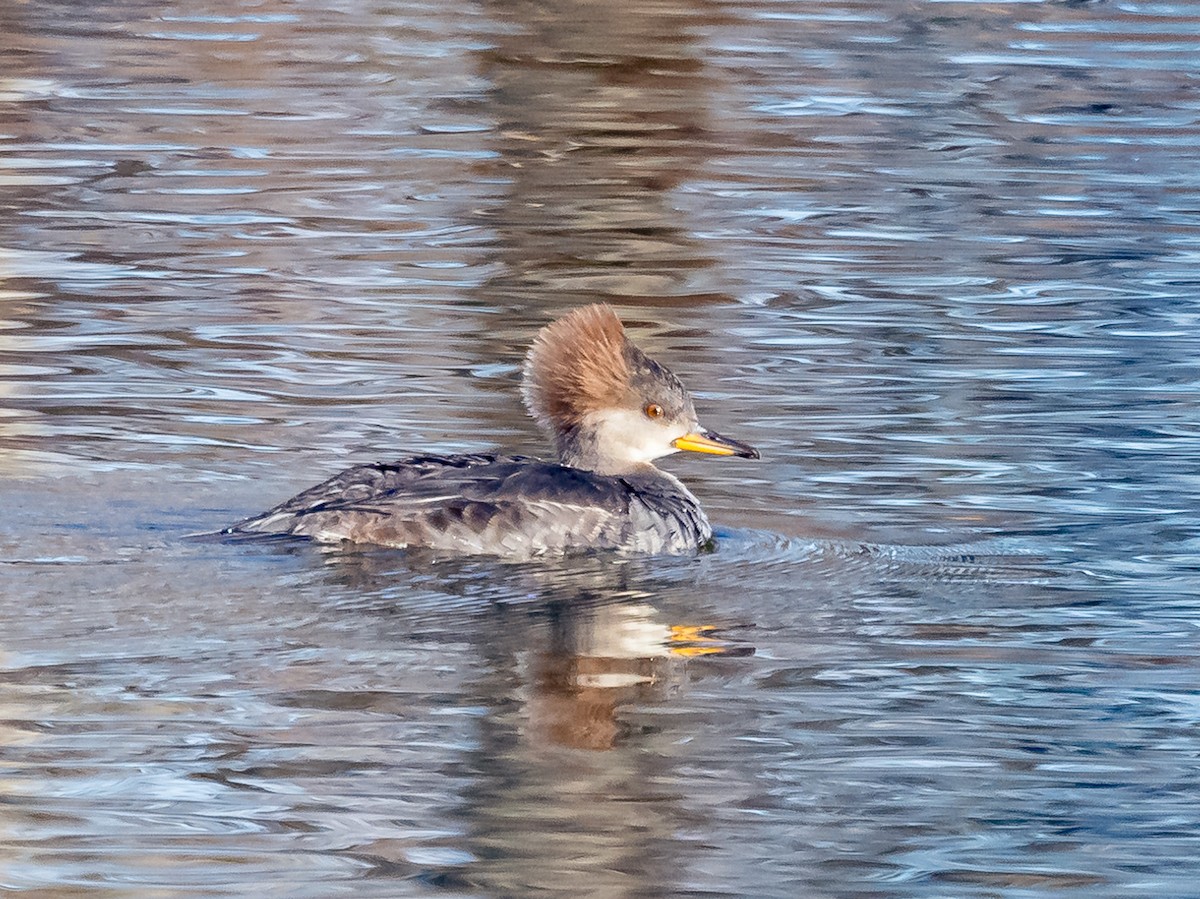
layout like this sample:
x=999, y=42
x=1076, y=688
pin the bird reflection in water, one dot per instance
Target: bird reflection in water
x=601, y=657
x=581, y=636
x=571, y=685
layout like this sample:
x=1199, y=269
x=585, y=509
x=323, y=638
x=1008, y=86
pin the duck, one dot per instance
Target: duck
x=610, y=411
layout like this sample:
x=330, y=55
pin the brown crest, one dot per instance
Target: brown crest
x=576, y=364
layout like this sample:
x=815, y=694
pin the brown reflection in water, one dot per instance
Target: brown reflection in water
x=567, y=780
x=18, y=428
x=601, y=109
x=564, y=782
x=600, y=659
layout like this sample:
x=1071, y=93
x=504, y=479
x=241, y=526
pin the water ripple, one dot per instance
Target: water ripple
x=936, y=260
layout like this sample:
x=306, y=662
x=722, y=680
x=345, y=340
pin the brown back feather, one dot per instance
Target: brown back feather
x=576, y=364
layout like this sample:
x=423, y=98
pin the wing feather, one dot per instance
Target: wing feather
x=470, y=503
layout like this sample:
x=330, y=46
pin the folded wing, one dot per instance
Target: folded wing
x=508, y=505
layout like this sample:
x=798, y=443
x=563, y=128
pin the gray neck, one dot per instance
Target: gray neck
x=578, y=447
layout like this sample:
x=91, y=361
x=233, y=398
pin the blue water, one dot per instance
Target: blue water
x=936, y=260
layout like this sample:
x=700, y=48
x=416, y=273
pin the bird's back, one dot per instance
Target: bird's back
x=501, y=505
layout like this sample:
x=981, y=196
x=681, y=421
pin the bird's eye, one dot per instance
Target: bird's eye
x=654, y=410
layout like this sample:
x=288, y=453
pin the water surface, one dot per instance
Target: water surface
x=937, y=260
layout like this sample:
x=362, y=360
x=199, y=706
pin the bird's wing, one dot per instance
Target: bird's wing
x=479, y=503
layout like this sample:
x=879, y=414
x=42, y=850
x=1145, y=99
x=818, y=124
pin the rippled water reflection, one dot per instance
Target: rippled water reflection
x=936, y=259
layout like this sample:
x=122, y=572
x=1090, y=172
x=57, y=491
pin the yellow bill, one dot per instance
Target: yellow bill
x=714, y=444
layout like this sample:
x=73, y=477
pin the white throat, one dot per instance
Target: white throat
x=615, y=441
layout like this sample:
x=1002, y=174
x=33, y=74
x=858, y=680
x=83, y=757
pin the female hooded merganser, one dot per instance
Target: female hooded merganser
x=610, y=409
